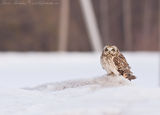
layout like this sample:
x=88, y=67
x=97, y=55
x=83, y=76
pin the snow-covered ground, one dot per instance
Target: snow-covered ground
x=22, y=70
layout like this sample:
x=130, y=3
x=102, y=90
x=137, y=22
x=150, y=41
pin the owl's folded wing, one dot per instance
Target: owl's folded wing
x=121, y=63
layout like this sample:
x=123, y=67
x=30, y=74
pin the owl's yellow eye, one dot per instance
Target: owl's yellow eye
x=106, y=50
x=113, y=50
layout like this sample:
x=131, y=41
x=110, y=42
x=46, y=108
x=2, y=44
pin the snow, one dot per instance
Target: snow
x=102, y=81
x=46, y=84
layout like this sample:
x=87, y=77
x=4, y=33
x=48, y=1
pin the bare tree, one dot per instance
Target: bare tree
x=91, y=24
x=63, y=25
x=104, y=17
x=127, y=21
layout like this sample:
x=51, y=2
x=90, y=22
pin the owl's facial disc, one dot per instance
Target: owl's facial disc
x=110, y=50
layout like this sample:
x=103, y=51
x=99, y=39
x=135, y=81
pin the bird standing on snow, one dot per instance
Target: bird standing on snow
x=115, y=63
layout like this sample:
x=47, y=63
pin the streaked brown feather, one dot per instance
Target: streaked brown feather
x=123, y=67
x=121, y=62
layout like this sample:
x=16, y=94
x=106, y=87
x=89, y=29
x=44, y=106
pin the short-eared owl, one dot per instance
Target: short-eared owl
x=115, y=63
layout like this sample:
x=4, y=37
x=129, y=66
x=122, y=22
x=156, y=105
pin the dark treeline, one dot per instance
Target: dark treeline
x=130, y=25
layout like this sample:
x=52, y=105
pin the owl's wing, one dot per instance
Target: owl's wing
x=121, y=63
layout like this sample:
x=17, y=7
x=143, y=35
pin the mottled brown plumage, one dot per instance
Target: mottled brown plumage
x=115, y=63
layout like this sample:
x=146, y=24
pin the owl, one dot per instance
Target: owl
x=115, y=63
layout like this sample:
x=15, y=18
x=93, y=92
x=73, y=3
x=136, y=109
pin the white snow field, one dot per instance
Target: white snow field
x=37, y=84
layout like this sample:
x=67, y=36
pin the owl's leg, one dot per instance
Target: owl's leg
x=109, y=72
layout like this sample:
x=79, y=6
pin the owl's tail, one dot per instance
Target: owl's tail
x=129, y=76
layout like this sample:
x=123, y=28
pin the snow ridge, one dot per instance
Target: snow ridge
x=103, y=81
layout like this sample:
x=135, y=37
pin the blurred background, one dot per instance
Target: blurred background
x=80, y=26
x=37, y=25
x=50, y=41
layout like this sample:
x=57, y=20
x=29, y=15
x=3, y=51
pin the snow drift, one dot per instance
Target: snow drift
x=103, y=81
x=86, y=95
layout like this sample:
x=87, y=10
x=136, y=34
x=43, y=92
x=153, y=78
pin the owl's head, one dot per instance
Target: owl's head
x=110, y=50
